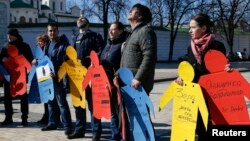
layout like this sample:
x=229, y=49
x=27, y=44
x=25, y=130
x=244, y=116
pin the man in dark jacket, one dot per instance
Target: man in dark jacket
x=86, y=41
x=56, y=51
x=24, y=49
x=139, y=54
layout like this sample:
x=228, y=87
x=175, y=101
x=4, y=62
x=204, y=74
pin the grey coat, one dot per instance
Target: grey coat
x=140, y=55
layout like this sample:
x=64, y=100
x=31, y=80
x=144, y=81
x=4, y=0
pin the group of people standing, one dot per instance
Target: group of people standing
x=136, y=50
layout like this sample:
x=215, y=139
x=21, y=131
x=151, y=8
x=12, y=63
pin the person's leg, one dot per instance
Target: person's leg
x=81, y=123
x=114, y=121
x=24, y=108
x=53, y=116
x=95, y=123
x=7, y=104
x=44, y=119
x=64, y=107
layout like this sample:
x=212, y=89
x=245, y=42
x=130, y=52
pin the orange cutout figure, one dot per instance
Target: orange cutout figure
x=187, y=100
x=225, y=91
x=100, y=87
x=17, y=66
x=75, y=72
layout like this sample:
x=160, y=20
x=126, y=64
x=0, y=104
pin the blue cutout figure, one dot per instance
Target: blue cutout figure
x=137, y=104
x=4, y=73
x=41, y=83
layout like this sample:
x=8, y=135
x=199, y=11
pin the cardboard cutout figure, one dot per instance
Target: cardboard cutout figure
x=40, y=80
x=136, y=103
x=4, y=74
x=76, y=73
x=187, y=100
x=100, y=86
x=225, y=91
x=17, y=66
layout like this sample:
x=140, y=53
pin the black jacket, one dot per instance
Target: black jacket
x=200, y=69
x=111, y=55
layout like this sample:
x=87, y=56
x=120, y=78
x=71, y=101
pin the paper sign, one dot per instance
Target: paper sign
x=100, y=87
x=41, y=83
x=17, y=66
x=187, y=101
x=76, y=73
x=226, y=92
x=43, y=72
x=136, y=102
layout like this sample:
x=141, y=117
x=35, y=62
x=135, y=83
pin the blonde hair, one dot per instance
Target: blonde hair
x=43, y=38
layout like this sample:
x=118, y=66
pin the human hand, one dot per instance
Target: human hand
x=135, y=83
x=228, y=68
x=179, y=81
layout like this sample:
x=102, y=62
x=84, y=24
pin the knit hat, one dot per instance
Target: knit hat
x=13, y=32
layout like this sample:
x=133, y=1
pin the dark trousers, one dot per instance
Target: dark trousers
x=95, y=123
x=8, y=103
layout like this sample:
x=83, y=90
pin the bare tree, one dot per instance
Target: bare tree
x=119, y=9
x=177, y=9
x=230, y=14
x=103, y=9
x=159, y=10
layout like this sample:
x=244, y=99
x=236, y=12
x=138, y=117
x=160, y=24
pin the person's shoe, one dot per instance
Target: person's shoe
x=95, y=138
x=76, y=135
x=49, y=127
x=68, y=131
x=7, y=122
x=43, y=121
x=24, y=122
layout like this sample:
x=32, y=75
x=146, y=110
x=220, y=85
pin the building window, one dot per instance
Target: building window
x=27, y=12
x=22, y=19
x=61, y=6
x=30, y=20
x=36, y=20
x=54, y=6
x=14, y=19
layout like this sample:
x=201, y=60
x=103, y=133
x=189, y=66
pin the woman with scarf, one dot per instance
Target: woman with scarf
x=202, y=40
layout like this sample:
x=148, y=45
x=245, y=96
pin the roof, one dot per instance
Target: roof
x=45, y=7
x=20, y=4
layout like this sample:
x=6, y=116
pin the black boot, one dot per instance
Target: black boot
x=7, y=121
x=24, y=122
x=43, y=120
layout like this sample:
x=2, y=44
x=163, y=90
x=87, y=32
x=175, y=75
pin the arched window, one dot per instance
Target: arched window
x=54, y=6
x=22, y=19
x=30, y=20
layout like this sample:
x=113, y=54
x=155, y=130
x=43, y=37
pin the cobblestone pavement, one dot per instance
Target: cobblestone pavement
x=165, y=73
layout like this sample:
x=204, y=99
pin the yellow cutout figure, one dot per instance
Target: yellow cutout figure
x=187, y=100
x=76, y=73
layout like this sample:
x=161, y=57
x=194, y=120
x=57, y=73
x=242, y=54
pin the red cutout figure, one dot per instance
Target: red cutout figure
x=225, y=91
x=17, y=66
x=100, y=87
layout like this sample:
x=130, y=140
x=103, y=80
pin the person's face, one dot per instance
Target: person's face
x=40, y=43
x=80, y=22
x=114, y=32
x=134, y=15
x=195, y=30
x=52, y=32
x=11, y=38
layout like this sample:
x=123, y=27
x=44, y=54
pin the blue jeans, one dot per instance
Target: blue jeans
x=59, y=106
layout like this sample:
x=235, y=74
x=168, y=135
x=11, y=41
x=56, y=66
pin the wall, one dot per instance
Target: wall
x=180, y=48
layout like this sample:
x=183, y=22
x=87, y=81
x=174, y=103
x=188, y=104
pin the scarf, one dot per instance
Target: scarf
x=199, y=45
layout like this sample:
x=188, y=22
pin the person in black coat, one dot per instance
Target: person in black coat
x=24, y=49
x=110, y=59
x=202, y=40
